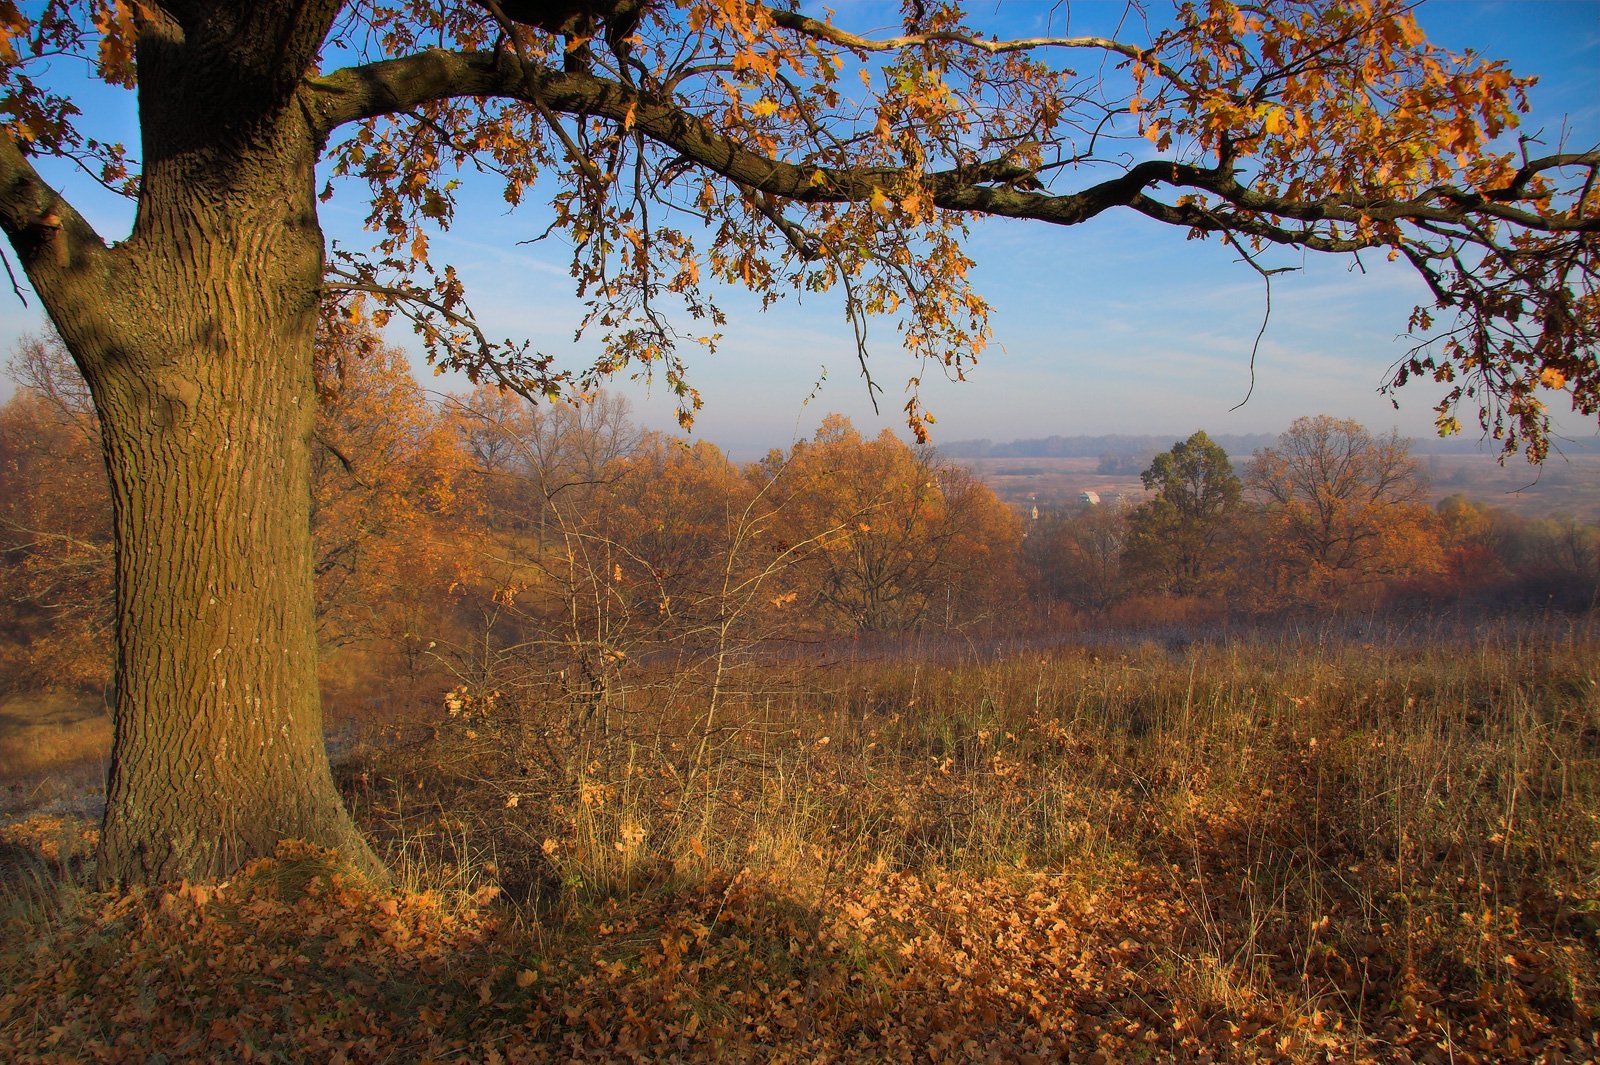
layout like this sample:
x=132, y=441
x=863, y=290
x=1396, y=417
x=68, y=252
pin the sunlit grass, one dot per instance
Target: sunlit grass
x=52, y=733
x=1295, y=849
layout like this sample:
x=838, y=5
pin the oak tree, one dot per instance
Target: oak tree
x=1076, y=556
x=393, y=518
x=1470, y=566
x=1552, y=561
x=676, y=143
x=1342, y=510
x=676, y=510
x=904, y=539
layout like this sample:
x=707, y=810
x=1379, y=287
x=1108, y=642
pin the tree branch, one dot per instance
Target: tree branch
x=394, y=85
x=63, y=256
x=822, y=31
x=1534, y=235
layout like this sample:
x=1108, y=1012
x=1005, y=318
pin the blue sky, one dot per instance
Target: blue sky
x=1117, y=326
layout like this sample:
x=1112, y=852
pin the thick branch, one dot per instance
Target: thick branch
x=398, y=85
x=1195, y=217
x=64, y=257
x=401, y=84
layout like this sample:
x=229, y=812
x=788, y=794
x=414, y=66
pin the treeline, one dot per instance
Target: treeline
x=506, y=542
x=1109, y=446
x=561, y=544
x=1329, y=516
x=1116, y=449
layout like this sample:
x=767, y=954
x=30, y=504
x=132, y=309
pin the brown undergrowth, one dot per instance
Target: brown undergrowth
x=53, y=749
x=1246, y=852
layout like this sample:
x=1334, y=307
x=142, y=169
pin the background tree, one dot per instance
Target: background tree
x=392, y=517
x=531, y=461
x=724, y=567
x=1178, y=540
x=389, y=523
x=1076, y=556
x=1498, y=558
x=1469, y=565
x=55, y=527
x=1342, y=510
x=904, y=539
x=1334, y=128
x=674, y=511
x=983, y=587
x=1552, y=561
x=617, y=554
x=553, y=607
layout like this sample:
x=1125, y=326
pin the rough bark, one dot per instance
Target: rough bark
x=196, y=338
x=207, y=409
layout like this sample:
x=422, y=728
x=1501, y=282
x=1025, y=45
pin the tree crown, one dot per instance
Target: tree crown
x=1193, y=478
x=698, y=141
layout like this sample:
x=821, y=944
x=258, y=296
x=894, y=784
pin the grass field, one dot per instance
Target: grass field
x=53, y=749
x=1269, y=850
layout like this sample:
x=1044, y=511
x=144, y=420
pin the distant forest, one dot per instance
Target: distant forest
x=1236, y=444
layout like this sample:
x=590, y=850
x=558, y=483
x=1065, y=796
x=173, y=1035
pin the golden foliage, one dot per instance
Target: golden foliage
x=1331, y=127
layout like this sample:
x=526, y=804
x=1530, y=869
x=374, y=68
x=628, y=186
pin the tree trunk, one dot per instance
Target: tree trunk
x=202, y=380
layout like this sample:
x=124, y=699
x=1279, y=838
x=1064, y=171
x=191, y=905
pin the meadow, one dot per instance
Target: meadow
x=1378, y=846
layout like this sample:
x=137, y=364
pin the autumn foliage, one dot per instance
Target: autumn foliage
x=55, y=529
x=903, y=540
x=479, y=538
x=672, y=147
x=676, y=757
x=389, y=508
x=601, y=705
x=390, y=527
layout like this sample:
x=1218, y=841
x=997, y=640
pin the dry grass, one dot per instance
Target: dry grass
x=1284, y=851
x=53, y=748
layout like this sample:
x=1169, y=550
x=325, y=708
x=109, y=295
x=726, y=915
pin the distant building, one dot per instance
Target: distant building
x=1089, y=499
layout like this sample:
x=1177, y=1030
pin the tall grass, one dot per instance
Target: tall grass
x=1403, y=785
x=1308, y=843
x=53, y=748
